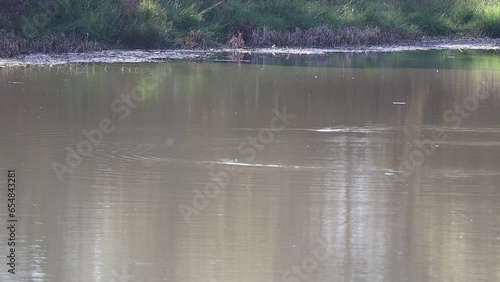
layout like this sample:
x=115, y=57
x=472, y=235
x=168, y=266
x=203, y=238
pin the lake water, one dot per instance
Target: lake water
x=346, y=167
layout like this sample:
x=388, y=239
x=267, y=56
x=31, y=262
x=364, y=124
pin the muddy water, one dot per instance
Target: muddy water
x=337, y=168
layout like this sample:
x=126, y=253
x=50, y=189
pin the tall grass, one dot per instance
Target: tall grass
x=148, y=26
x=160, y=23
x=488, y=21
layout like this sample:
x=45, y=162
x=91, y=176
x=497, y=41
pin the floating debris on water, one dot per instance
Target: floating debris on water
x=135, y=56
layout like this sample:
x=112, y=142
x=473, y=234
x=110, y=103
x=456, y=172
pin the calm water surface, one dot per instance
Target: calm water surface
x=341, y=190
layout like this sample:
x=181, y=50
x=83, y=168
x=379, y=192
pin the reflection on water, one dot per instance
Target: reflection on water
x=325, y=182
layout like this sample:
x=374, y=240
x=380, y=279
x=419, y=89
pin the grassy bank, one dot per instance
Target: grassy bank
x=78, y=25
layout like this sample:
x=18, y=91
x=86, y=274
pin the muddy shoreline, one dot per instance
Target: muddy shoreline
x=138, y=56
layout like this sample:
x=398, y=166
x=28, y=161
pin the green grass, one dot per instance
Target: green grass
x=163, y=23
x=149, y=26
x=488, y=21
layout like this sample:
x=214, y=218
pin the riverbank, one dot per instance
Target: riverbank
x=238, y=54
x=59, y=26
x=12, y=45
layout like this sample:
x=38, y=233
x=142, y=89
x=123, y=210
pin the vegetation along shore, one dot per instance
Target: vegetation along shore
x=57, y=26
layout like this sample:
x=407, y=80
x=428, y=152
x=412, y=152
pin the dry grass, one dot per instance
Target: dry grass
x=236, y=41
x=319, y=37
x=195, y=39
x=62, y=43
x=12, y=45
